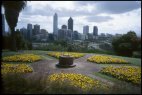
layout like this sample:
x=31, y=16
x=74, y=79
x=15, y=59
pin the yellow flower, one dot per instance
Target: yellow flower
x=106, y=60
x=73, y=54
x=15, y=68
x=76, y=80
x=128, y=73
x=22, y=58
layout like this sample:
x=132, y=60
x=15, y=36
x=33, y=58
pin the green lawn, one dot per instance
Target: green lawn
x=43, y=54
x=120, y=87
x=35, y=86
x=133, y=61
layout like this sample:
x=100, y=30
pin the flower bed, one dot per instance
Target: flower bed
x=106, y=60
x=76, y=80
x=15, y=68
x=127, y=73
x=73, y=54
x=22, y=58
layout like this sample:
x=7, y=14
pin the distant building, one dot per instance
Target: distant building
x=36, y=29
x=64, y=27
x=55, y=24
x=62, y=34
x=24, y=32
x=29, y=32
x=75, y=35
x=102, y=35
x=69, y=35
x=118, y=35
x=43, y=31
x=83, y=37
x=85, y=30
x=95, y=31
x=50, y=37
x=3, y=24
x=70, y=24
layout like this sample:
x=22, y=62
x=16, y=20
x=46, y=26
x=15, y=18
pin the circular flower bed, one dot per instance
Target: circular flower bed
x=15, y=68
x=76, y=80
x=73, y=54
x=128, y=73
x=22, y=58
x=106, y=60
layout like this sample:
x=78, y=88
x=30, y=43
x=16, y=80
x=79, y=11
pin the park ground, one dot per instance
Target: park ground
x=48, y=66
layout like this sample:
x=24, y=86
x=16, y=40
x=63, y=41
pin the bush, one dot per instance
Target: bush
x=137, y=54
x=126, y=44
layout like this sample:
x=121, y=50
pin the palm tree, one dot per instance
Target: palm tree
x=12, y=10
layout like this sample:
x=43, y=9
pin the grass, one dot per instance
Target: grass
x=120, y=87
x=18, y=84
x=133, y=61
x=43, y=54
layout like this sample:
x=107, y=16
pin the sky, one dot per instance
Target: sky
x=109, y=16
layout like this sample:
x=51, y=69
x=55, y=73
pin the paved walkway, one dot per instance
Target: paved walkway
x=45, y=67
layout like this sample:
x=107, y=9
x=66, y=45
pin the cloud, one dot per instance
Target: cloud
x=121, y=15
x=98, y=18
x=112, y=7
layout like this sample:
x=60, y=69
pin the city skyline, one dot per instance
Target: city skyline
x=125, y=16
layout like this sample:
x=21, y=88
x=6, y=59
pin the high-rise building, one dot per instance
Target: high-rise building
x=36, y=29
x=24, y=32
x=3, y=24
x=64, y=27
x=75, y=35
x=70, y=24
x=29, y=32
x=64, y=33
x=95, y=31
x=85, y=29
x=69, y=34
x=55, y=24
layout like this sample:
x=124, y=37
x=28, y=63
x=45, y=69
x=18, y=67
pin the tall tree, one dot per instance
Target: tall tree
x=12, y=10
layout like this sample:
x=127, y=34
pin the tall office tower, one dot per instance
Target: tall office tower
x=29, y=32
x=55, y=24
x=36, y=29
x=95, y=31
x=85, y=29
x=3, y=25
x=70, y=24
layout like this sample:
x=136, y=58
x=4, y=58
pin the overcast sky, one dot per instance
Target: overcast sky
x=110, y=16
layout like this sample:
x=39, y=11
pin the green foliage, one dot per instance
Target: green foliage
x=5, y=42
x=12, y=10
x=21, y=43
x=16, y=84
x=126, y=44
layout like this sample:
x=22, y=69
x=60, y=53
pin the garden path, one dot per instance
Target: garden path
x=45, y=67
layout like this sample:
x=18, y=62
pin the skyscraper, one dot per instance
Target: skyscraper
x=3, y=25
x=95, y=31
x=29, y=32
x=85, y=29
x=55, y=24
x=70, y=24
x=36, y=29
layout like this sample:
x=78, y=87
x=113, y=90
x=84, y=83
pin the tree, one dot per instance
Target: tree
x=126, y=44
x=12, y=10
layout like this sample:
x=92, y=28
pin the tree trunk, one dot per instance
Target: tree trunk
x=13, y=41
